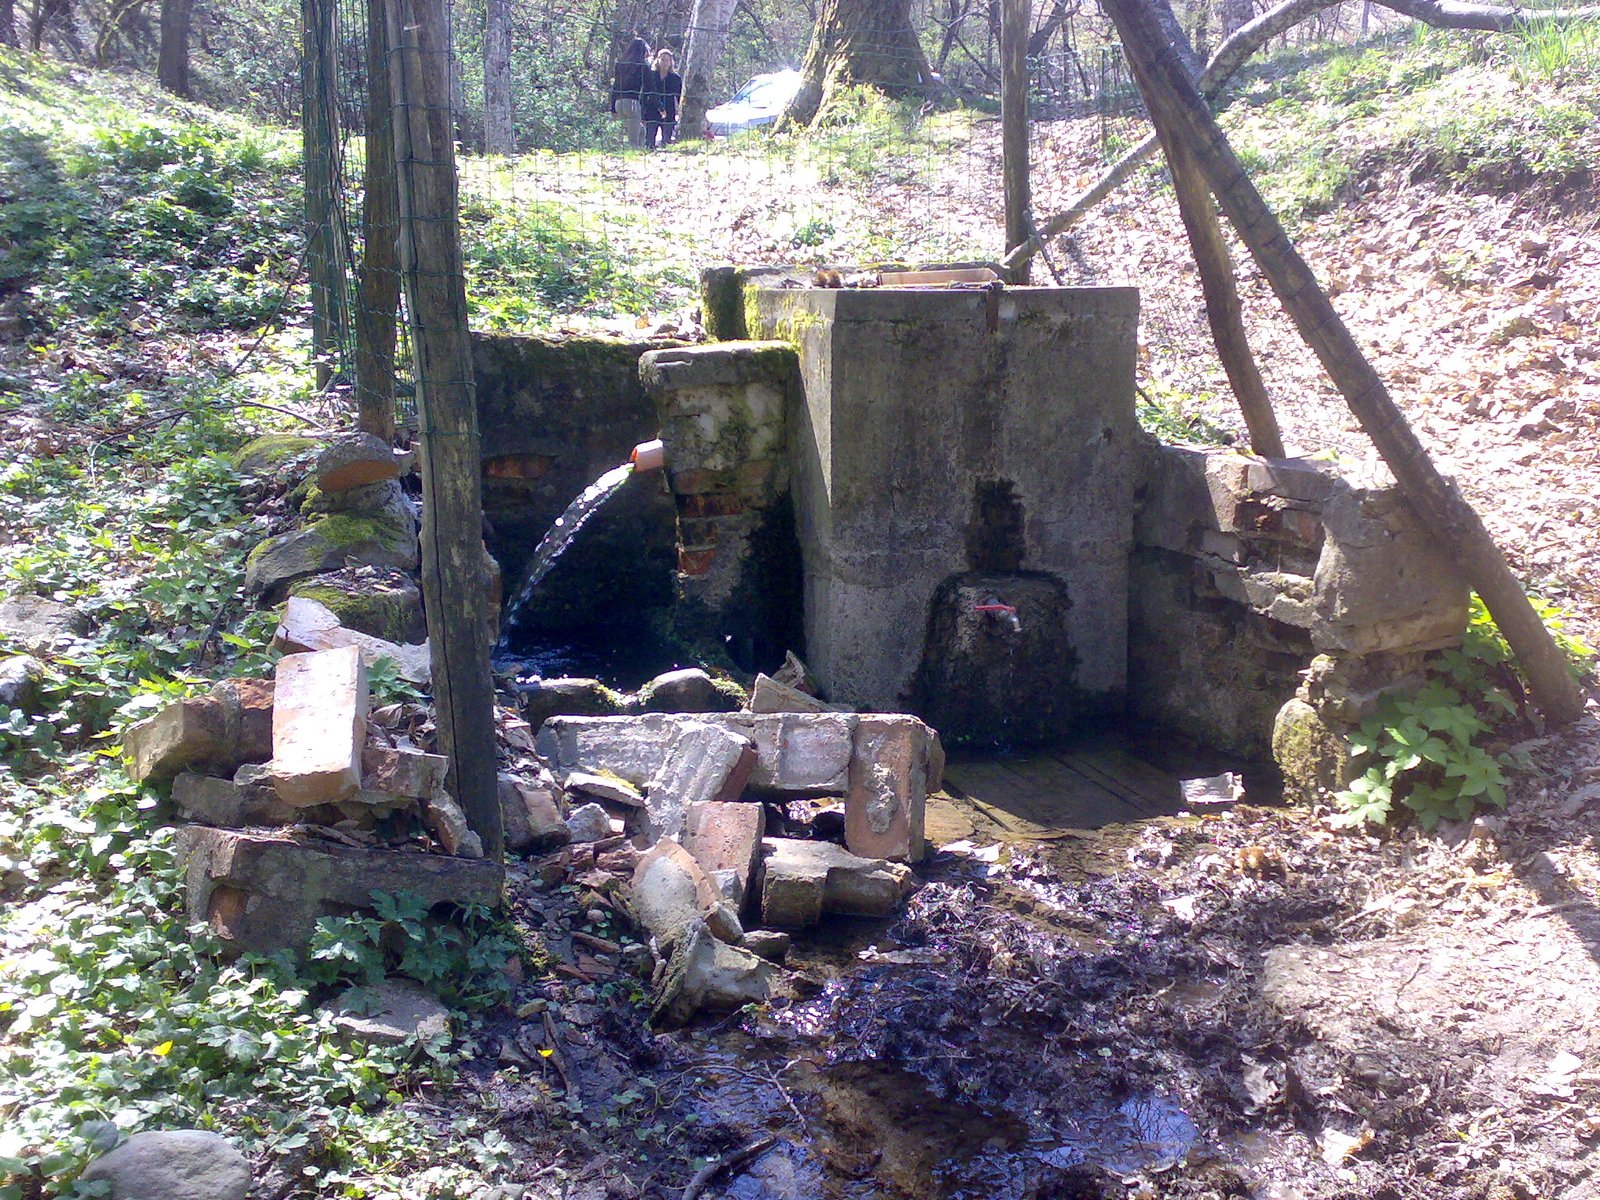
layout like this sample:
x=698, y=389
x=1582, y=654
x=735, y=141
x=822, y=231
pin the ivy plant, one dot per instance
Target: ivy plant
x=1426, y=750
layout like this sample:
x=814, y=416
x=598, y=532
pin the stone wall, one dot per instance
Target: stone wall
x=1246, y=569
x=553, y=414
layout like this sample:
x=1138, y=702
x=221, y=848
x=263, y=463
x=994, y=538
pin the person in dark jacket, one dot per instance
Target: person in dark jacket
x=663, y=88
x=627, y=89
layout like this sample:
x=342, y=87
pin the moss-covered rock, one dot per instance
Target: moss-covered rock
x=312, y=501
x=1313, y=756
x=387, y=538
x=691, y=690
x=386, y=604
x=276, y=453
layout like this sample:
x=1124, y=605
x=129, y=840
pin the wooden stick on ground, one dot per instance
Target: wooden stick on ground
x=1176, y=107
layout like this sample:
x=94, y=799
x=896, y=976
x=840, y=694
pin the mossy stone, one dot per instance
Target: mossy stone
x=1313, y=757
x=387, y=538
x=266, y=456
x=390, y=609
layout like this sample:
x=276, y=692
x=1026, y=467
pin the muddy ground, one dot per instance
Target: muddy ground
x=1239, y=1003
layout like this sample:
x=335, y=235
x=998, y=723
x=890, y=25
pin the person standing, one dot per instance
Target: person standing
x=663, y=90
x=627, y=89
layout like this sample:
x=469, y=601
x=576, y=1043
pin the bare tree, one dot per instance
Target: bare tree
x=708, y=38
x=860, y=42
x=497, y=77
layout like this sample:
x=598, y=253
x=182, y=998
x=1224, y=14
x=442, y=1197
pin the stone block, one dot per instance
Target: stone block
x=185, y=733
x=708, y=973
x=604, y=787
x=354, y=460
x=261, y=892
x=39, y=623
x=801, y=880
x=588, y=823
x=319, y=726
x=883, y=814
x=546, y=698
x=726, y=837
x=394, y=1012
x=445, y=820
x=229, y=804
x=1313, y=757
x=918, y=407
x=530, y=812
x=307, y=625
x=632, y=748
x=19, y=682
x=706, y=763
x=797, y=754
x=383, y=604
x=247, y=709
x=690, y=690
x=671, y=891
x=386, y=538
x=403, y=772
x=770, y=696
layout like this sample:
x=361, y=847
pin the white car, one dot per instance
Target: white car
x=759, y=102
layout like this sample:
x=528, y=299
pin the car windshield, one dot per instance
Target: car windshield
x=762, y=91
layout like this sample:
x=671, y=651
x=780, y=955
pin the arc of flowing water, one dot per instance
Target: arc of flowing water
x=560, y=536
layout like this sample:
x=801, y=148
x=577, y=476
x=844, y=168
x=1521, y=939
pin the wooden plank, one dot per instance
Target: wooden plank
x=1160, y=790
x=1042, y=797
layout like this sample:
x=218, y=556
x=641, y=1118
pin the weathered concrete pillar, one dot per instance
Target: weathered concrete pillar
x=944, y=436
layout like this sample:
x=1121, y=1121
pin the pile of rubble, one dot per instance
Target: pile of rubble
x=302, y=802
x=739, y=827
x=722, y=830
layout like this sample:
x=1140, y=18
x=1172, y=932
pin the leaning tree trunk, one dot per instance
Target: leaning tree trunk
x=497, y=77
x=172, y=65
x=708, y=38
x=1177, y=107
x=868, y=43
x=8, y=23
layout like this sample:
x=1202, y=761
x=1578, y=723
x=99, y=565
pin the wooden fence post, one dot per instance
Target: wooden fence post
x=1014, y=125
x=454, y=574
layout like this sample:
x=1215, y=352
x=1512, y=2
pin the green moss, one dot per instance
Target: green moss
x=356, y=529
x=1314, y=759
x=391, y=613
x=270, y=453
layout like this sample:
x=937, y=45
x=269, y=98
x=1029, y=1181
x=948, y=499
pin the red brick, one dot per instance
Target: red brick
x=695, y=562
x=753, y=477
x=710, y=504
x=689, y=483
x=517, y=466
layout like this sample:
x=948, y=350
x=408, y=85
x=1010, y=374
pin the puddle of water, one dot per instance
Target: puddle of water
x=1142, y=1133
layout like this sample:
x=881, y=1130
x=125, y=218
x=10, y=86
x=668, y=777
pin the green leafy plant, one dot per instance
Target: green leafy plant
x=462, y=957
x=1425, y=751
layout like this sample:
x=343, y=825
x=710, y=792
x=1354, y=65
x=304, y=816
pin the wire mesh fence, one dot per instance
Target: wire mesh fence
x=577, y=226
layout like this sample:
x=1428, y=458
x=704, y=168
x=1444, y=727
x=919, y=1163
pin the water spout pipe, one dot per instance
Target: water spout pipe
x=648, y=456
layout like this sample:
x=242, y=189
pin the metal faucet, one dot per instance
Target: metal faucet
x=997, y=610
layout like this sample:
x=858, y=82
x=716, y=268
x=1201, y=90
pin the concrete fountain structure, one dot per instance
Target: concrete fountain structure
x=943, y=497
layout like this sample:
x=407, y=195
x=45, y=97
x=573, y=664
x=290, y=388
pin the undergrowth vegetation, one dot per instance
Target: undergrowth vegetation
x=1441, y=751
x=1480, y=112
x=146, y=250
